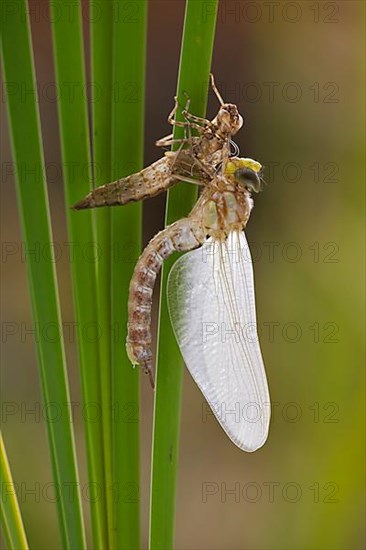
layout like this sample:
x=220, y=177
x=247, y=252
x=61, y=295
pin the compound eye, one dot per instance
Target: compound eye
x=248, y=178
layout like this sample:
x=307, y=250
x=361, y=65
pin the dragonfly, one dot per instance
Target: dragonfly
x=210, y=288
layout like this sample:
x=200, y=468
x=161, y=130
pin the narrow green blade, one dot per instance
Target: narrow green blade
x=11, y=519
x=195, y=64
x=34, y=212
x=101, y=29
x=75, y=147
x=127, y=148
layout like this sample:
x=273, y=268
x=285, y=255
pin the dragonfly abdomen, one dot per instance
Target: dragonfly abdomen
x=183, y=235
x=147, y=183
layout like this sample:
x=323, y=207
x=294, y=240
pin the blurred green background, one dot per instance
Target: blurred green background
x=296, y=71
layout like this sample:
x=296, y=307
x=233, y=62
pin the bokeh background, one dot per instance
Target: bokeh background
x=296, y=71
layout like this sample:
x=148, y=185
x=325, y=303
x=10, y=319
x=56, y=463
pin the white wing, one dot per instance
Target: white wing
x=212, y=309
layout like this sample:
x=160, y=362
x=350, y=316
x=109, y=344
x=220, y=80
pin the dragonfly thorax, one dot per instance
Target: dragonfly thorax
x=226, y=211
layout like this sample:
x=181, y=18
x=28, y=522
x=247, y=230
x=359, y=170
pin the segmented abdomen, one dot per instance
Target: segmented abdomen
x=180, y=236
x=148, y=182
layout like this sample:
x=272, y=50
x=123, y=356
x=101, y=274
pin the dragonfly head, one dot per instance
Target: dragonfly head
x=246, y=173
x=228, y=119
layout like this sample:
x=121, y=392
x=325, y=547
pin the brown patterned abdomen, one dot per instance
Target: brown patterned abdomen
x=146, y=183
x=181, y=236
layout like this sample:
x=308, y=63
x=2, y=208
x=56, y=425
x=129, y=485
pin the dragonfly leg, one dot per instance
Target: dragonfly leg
x=169, y=140
x=187, y=123
x=191, y=119
x=172, y=114
x=216, y=91
x=183, y=235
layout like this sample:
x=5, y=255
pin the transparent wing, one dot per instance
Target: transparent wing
x=212, y=308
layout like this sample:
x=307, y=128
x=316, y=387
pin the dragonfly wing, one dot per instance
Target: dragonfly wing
x=212, y=308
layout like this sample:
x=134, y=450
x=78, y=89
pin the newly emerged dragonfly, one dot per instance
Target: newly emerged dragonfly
x=210, y=290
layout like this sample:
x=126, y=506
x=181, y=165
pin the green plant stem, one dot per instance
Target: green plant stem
x=75, y=148
x=101, y=29
x=26, y=140
x=11, y=519
x=195, y=63
x=127, y=150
